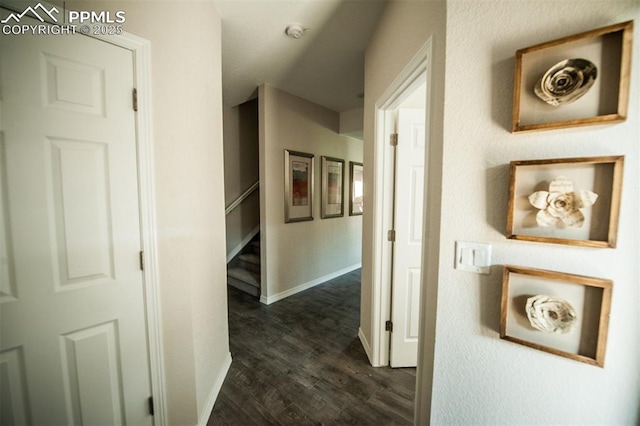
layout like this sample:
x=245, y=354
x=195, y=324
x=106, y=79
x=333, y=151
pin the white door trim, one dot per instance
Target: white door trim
x=414, y=74
x=141, y=50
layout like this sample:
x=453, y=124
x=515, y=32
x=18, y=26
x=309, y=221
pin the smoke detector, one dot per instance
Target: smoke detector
x=294, y=31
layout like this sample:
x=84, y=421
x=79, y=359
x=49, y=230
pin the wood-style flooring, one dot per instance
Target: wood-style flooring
x=299, y=362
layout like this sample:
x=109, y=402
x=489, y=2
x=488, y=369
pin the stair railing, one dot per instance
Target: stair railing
x=241, y=198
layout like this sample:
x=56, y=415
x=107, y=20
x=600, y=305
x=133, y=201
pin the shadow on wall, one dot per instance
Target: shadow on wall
x=248, y=169
x=490, y=299
x=498, y=197
x=497, y=181
x=502, y=90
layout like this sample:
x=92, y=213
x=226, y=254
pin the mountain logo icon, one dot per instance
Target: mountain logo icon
x=37, y=11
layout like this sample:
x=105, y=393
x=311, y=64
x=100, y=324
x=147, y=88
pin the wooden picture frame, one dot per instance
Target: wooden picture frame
x=533, y=298
x=601, y=56
x=356, y=180
x=332, y=187
x=298, y=186
x=548, y=198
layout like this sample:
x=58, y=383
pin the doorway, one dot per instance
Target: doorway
x=412, y=84
x=407, y=236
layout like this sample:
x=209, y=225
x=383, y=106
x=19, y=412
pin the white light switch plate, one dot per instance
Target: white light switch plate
x=473, y=257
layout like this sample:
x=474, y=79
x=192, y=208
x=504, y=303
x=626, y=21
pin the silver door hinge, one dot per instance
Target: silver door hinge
x=391, y=235
x=142, y=261
x=151, y=409
x=135, y=99
x=393, y=139
x=388, y=326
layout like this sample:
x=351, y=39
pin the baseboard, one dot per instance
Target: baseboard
x=267, y=300
x=365, y=345
x=208, y=407
x=237, y=249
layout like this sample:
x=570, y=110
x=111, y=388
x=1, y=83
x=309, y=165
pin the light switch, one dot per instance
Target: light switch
x=466, y=256
x=474, y=257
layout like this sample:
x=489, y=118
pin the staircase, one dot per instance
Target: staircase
x=243, y=272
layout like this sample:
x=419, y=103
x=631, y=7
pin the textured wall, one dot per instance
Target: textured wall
x=404, y=29
x=299, y=253
x=467, y=375
x=478, y=377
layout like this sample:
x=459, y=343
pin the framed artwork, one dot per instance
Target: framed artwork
x=573, y=201
x=332, y=183
x=356, y=179
x=563, y=314
x=573, y=81
x=298, y=186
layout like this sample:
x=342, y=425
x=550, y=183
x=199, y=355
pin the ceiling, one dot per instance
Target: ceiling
x=325, y=66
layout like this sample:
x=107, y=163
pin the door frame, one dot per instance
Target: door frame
x=141, y=50
x=416, y=72
x=141, y=53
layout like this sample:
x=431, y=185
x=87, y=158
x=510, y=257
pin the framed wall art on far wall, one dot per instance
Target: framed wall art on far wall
x=356, y=179
x=573, y=201
x=332, y=187
x=558, y=313
x=298, y=186
x=573, y=81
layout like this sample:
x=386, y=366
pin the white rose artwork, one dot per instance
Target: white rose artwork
x=560, y=206
x=550, y=314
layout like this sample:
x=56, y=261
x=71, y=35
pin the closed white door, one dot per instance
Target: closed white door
x=407, y=252
x=73, y=344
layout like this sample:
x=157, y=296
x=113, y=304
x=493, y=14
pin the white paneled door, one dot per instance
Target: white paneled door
x=73, y=343
x=407, y=252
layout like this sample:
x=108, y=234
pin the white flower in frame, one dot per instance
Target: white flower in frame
x=550, y=314
x=560, y=206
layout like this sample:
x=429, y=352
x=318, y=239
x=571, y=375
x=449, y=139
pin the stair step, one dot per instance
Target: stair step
x=242, y=286
x=249, y=277
x=250, y=258
x=250, y=262
x=244, y=280
x=255, y=247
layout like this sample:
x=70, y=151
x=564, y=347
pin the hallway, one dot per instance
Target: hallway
x=299, y=361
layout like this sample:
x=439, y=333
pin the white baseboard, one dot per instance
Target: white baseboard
x=267, y=300
x=365, y=345
x=208, y=407
x=243, y=243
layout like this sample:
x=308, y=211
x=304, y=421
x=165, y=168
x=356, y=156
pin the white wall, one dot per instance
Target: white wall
x=241, y=170
x=403, y=30
x=298, y=254
x=240, y=148
x=352, y=122
x=470, y=359
x=187, y=118
x=478, y=378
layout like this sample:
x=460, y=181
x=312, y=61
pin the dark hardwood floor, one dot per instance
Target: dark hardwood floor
x=299, y=362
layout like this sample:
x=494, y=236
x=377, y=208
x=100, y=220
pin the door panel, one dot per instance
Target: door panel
x=73, y=86
x=81, y=202
x=416, y=189
x=7, y=276
x=73, y=344
x=91, y=372
x=407, y=257
x=13, y=401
